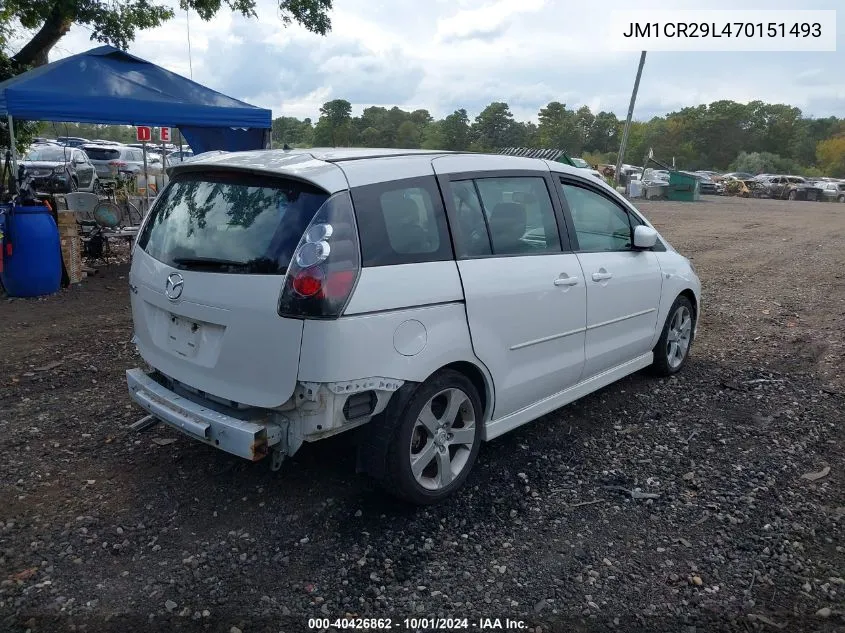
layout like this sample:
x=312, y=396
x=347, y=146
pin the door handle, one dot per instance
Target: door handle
x=602, y=276
x=566, y=281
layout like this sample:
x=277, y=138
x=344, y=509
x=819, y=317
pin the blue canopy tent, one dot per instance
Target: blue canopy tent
x=107, y=85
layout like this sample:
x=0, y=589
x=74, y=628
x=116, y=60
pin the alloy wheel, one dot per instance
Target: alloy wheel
x=442, y=439
x=680, y=335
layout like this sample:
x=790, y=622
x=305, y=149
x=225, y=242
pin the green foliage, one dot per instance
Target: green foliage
x=116, y=22
x=831, y=155
x=722, y=135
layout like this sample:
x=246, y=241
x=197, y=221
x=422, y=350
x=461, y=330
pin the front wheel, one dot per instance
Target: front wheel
x=842, y=198
x=672, y=349
x=435, y=440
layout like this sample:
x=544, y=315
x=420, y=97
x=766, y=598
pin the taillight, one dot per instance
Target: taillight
x=325, y=265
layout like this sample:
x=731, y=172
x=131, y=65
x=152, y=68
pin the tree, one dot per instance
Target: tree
x=291, y=131
x=116, y=22
x=408, y=135
x=494, y=127
x=557, y=129
x=760, y=163
x=604, y=134
x=455, y=131
x=335, y=125
x=584, y=121
x=432, y=136
x=831, y=155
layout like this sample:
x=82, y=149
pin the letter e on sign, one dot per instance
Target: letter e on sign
x=144, y=134
x=164, y=134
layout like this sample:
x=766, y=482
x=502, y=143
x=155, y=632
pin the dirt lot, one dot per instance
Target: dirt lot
x=104, y=530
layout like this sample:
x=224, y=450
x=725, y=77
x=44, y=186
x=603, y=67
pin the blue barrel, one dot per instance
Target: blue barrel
x=34, y=266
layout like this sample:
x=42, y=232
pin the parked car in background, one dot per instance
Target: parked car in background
x=58, y=169
x=104, y=142
x=832, y=191
x=72, y=141
x=174, y=158
x=111, y=159
x=792, y=188
x=580, y=163
x=431, y=301
x=738, y=175
x=706, y=185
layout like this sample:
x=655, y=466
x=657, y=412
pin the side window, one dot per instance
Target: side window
x=401, y=222
x=520, y=215
x=600, y=224
x=471, y=236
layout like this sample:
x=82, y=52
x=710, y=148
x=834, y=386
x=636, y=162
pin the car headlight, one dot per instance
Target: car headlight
x=58, y=170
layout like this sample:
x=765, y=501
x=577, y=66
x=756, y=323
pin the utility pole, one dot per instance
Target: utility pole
x=621, y=156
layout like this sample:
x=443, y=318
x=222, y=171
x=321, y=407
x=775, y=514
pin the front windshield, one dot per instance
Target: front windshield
x=59, y=154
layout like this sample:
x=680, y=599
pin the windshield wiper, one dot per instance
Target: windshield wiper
x=208, y=262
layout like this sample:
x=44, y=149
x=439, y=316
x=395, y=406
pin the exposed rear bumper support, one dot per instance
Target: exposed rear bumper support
x=248, y=439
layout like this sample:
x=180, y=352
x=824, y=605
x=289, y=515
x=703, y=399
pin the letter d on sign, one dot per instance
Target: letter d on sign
x=144, y=134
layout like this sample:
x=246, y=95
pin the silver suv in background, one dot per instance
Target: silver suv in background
x=428, y=300
x=108, y=160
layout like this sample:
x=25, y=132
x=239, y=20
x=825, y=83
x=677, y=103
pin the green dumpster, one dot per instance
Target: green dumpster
x=683, y=187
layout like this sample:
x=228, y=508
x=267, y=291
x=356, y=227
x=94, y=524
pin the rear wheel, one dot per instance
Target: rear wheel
x=842, y=198
x=793, y=195
x=672, y=349
x=435, y=440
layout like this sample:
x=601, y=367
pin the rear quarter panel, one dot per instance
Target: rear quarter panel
x=402, y=322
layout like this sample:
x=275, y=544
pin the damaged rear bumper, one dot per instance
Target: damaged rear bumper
x=250, y=439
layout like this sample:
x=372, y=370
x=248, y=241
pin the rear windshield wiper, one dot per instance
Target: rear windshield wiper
x=208, y=262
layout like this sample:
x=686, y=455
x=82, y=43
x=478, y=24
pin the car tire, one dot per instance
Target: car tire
x=74, y=184
x=793, y=195
x=841, y=198
x=676, y=339
x=432, y=433
x=95, y=185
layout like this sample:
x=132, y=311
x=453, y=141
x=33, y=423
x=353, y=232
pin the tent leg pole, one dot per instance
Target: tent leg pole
x=14, y=151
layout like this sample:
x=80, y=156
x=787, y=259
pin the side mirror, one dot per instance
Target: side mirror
x=645, y=237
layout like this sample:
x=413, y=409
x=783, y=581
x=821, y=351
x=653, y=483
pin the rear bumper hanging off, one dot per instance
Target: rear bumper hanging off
x=248, y=439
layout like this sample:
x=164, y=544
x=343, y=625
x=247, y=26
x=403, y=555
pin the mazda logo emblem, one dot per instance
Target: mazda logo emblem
x=173, y=287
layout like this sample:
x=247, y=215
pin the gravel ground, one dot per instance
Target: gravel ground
x=742, y=454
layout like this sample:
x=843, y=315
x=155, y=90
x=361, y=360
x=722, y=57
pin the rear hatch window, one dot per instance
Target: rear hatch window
x=230, y=222
x=97, y=153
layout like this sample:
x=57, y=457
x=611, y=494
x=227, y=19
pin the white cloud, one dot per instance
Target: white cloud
x=447, y=54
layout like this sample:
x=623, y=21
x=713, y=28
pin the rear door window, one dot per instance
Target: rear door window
x=234, y=223
x=401, y=222
x=520, y=215
x=472, y=239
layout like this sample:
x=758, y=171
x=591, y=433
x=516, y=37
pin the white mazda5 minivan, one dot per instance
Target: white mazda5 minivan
x=431, y=300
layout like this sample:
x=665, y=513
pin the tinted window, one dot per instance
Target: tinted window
x=600, y=224
x=471, y=236
x=401, y=222
x=520, y=215
x=230, y=223
x=97, y=153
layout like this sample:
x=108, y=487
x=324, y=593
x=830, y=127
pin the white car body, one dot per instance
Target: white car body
x=533, y=330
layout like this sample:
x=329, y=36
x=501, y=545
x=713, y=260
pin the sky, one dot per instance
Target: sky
x=447, y=54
